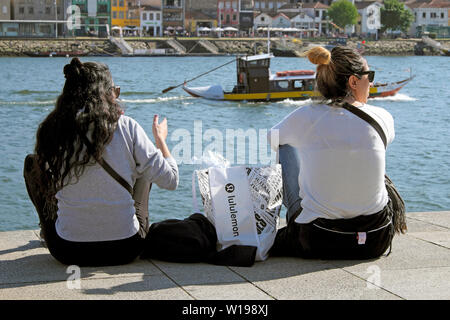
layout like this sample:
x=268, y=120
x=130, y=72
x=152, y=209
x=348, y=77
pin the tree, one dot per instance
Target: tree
x=394, y=16
x=343, y=13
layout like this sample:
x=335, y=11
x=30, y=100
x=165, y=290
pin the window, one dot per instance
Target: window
x=433, y=15
x=282, y=84
x=263, y=19
x=442, y=15
x=263, y=5
x=30, y=10
x=424, y=15
x=270, y=5
x=256, y=4
x=144, y=16
x=114, y=14
x=47, y=10
x=114, y=3
x=158, y=16
x=234, y=17
x=120, y=14
x=317, y=13
x=220, y=5
x=5, y=10
x=102, y=8
x=121, y=3
x=228, y=5
x=21, y=10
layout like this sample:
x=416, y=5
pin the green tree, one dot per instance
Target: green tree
x=394, y=16
x=343, y=13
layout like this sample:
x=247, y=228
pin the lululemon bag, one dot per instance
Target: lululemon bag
x=243, y=203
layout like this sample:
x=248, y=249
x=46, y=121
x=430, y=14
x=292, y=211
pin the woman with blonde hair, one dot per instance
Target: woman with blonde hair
x=339, y=204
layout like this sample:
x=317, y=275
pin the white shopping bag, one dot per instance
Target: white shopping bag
x=243, y=203
x=232, y=207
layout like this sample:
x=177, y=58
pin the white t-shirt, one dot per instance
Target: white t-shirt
x=342, y=160
x=97, y=207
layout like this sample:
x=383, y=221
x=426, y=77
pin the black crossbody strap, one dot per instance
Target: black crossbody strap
x=105, y=165
x=115, y=175
x=358, y=112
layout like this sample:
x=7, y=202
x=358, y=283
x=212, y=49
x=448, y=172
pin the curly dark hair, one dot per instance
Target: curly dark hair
x=85, y=104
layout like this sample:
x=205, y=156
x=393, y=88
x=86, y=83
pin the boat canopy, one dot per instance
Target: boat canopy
x=258, y=57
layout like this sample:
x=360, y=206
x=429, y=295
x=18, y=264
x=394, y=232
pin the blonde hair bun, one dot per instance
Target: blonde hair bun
x=319, y=55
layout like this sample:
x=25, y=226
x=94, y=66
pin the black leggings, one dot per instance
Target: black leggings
x=98, y=253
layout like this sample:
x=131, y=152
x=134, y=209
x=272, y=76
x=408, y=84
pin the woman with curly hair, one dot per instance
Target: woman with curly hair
x=339, y=202
x=88, y=154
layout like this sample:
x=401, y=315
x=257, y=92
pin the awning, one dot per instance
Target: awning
x=230, y=29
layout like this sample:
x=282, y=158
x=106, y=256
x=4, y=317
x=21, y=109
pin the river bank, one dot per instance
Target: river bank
x=198, y=46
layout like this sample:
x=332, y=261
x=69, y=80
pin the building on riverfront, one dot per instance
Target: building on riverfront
x=32, y=18
x=126, y=14
x=173, y=16
x=430, y=16
x=95, y=17
x=151, y=21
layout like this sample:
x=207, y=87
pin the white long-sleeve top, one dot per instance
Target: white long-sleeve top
x=97, y=207
x=342, y=160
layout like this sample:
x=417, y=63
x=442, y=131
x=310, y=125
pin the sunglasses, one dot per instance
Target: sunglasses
x=371, y=74
x=116, y=90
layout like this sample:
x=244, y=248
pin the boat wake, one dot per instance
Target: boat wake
x=156, y=100
x=397, y=97
x=297, y=103
x=29, y=103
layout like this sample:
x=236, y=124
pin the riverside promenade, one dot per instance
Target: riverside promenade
x=417, y=268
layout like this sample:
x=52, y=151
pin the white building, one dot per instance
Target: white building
x=370, y=17
x=262, y=20
x=280, y=20
x=428, y=13
x=151, y=21
x=311, y=17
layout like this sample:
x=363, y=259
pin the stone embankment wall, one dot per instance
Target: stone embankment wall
x=41, y=47
x=95, y=47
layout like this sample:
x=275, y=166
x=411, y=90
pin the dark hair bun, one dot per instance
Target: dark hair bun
x=73, y=70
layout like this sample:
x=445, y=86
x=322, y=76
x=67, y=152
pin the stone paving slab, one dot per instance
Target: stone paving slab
x=124, y=288
x=417, y=268
x=439, y=218
x=414, y=284
x=204, y=281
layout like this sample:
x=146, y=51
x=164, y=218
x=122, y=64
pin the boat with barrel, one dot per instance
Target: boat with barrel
x=255, y=82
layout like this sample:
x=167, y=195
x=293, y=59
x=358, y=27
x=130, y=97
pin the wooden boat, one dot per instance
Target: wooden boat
x=255, y=82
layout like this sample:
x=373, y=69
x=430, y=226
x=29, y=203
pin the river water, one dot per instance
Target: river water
x=418, y=161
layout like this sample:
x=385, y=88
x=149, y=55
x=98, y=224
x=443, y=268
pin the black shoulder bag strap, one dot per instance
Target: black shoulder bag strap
x=109, y=169
x=358, y=112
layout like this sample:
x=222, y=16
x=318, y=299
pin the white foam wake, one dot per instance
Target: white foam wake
x=397, y=97
x=156, y=100
x=298, y=103
x=29, y=103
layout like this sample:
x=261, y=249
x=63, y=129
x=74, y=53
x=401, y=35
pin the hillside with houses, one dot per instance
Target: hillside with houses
x=212, y=18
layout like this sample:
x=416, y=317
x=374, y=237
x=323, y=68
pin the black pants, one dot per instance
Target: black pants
x=337, y=239
x=99, y=253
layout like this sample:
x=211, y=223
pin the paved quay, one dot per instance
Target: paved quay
x=417, y=268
